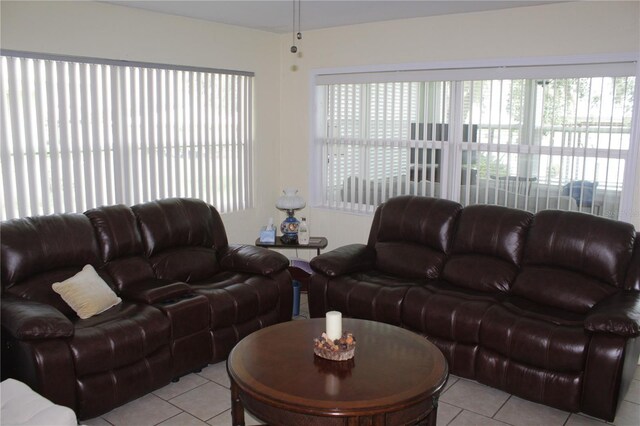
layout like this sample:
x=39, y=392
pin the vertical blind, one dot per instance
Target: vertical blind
x=80, y=134
x=529, y=143
x=549, y=143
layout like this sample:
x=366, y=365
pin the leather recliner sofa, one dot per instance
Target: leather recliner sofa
x=544, y=306
x=188, y=297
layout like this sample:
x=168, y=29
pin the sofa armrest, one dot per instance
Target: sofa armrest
x=344, y=260
x=156, y=291
x=618, y=314
x=29, y=320
x=252, y=259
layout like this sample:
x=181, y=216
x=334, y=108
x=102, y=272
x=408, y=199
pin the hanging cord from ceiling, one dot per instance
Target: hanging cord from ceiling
x=295, y=35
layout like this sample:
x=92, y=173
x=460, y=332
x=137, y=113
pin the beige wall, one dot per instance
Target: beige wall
x=282, y=94
x=585, y=28
x=116, y=32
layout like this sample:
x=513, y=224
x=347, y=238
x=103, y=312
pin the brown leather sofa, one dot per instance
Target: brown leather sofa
x=544, y=306
x=188, y=298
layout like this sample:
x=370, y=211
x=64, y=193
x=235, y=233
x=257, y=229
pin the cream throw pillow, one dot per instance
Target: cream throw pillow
x=86, y=293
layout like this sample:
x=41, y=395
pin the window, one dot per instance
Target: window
x=555, y=138
x=80, y=133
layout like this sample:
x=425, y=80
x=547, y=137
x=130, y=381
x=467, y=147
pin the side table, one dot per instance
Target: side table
x=298, y=274
x=315, y=243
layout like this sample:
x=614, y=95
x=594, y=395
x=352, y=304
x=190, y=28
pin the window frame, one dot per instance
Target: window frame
x=213, y=98
x=504, y=68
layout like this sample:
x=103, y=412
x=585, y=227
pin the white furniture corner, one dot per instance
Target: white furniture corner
x=23, y=406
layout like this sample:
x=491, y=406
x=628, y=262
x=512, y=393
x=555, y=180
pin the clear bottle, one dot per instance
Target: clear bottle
x=303, y=232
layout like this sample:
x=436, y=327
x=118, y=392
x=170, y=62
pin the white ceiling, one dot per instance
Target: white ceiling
x=276, y=15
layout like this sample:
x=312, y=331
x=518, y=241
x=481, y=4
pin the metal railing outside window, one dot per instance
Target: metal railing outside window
x=530, y=143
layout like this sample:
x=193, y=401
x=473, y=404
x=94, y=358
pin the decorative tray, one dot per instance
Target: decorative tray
x=342, y=349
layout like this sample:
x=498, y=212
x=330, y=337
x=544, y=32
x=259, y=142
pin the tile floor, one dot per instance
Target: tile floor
x=203, y=399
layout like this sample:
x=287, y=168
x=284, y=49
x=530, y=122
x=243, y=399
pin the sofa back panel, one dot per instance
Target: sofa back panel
x=117, y=231
x=179, y=222
x=38, y=288
x=492, y=231
x=560, y=288
x=482, y=273
x=422, y=220
x=408, y=260
x=595, y=246
x=528, y=309
x=375, y=225
x=121, y=245
x=126, y=271
x=187, y=264
x=633, y=273
x=35, y=245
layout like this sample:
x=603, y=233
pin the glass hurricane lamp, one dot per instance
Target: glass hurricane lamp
x=289, y=202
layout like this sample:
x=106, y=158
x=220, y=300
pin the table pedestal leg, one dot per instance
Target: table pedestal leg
x=433, y=415
x=237, y=410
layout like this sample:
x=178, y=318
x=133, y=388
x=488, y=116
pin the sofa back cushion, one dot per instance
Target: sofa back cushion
x=561, y=288
x=574, y=260
x=413, y=235
x=120, y=244
x=487, y=247
x=181, y=238
x=39, y=251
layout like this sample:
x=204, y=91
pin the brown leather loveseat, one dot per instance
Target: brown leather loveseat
x=544, y=306
x=187, y=298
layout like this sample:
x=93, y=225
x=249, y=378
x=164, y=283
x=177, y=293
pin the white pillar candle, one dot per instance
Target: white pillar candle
x=334, y=325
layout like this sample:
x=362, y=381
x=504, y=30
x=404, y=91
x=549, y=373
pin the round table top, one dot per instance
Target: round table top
x=392, y=368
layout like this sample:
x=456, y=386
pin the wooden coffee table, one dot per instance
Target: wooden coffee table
x=395, y=377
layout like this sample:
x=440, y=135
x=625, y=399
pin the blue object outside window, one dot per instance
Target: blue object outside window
x=581, y=190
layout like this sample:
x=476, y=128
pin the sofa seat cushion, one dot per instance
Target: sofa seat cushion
x=154, y=291
x=529, y=309
x=535, y=337
x=372, y=295
x=444, y=311
x=236, y=297
x=120, y=336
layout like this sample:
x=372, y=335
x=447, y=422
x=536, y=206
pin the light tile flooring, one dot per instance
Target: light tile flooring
x=203, y=399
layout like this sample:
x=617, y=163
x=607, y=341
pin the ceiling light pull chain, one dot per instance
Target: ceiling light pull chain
x=294, y=48
x=299, y=35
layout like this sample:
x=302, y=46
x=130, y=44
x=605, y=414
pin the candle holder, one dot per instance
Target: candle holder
x=341, y=370
x=342, y=349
